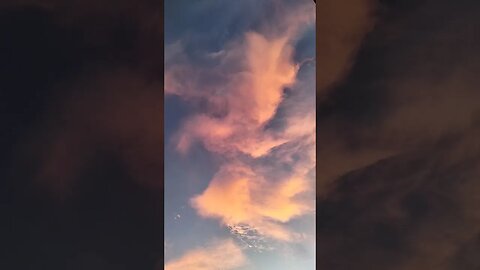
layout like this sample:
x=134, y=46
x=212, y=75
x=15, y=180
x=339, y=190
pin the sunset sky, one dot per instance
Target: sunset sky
x=239, y=135
x=143, y=135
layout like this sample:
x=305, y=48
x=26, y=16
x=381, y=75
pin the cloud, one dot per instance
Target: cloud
x=251, y=98
x=249, y=94
x=398, y=149
x=82, y=118
x=400, y=97
x=93, y=118
x=220, y=255
x=341, y=29
x=98, y=91
x=250, y=238
x=415, y=211
x=237, y=195
x=239, y=93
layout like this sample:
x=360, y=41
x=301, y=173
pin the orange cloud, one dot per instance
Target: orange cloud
x=248, y=89
x=223, y=255
x=251, y=93
x=253, y=97
x=282, y=206
x=271, y=69
x=238, y=195
x=209, y=130
x=217, y=199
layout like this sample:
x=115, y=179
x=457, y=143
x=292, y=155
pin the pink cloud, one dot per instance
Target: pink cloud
x=222, y=255
x=239, y=195
x=252, y=74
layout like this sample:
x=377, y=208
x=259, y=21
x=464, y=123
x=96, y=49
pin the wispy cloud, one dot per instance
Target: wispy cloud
x=249, y=95
x=219, y=255
x=243, y=92
x=250, y=237
x=239, y=195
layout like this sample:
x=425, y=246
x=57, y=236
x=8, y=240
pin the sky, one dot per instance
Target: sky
x=111, y=160
x=81, y=109
x=239, y=135
x=397, y=135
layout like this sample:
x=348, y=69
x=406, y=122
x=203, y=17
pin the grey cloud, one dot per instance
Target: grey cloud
x=398, y=152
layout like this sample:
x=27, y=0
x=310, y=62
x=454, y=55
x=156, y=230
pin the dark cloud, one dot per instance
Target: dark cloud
x=82, y=147
x=341, y=28
x=398, y=155
x=412, y=211
x=413, y=82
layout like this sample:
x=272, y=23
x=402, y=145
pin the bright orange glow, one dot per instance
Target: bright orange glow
x=236, y=195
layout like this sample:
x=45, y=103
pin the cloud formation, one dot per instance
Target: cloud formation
x=81, y=116
x=398, y=148
x=96, y=118
x=415, y=211
x=341, y=30
x=237, y=195
x=251, y=98
x=241, y=94
x=220, y=255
